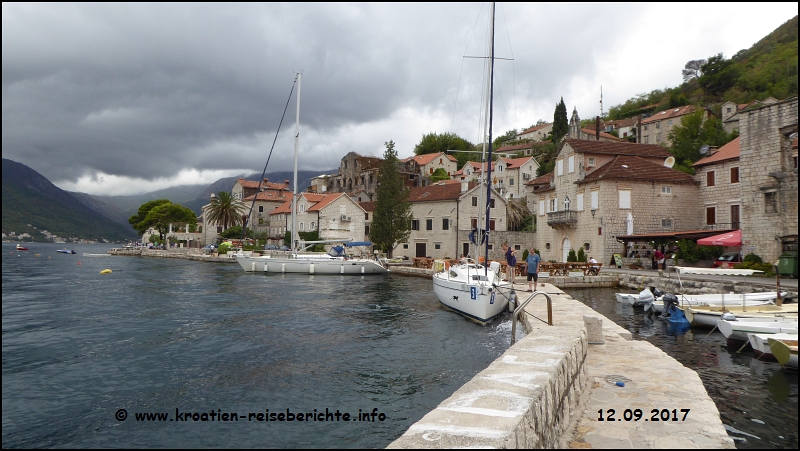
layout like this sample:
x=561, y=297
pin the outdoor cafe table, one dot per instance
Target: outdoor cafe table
x=563, y=269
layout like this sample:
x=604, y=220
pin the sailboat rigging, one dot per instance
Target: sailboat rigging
x=470, y=288
x=332, y=263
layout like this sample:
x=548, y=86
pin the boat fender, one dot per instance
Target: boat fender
x=105, y=271
x=728, y=316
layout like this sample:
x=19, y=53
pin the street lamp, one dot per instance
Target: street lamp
x=594, y=211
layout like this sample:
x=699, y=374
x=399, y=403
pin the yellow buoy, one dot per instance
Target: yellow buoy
x=105, y=271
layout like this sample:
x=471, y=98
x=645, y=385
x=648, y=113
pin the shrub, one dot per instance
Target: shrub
x=223, y=248
x=571, y=257
x=525, y=255
x=581, y=255
x=752, y=258
x=690, y=252
x=769, y=270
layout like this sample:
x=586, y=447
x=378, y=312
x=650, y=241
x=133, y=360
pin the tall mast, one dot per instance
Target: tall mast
x=489, y=160
x=296, y=148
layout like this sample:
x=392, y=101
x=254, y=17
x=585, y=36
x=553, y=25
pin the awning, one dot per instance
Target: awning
x=726, y=239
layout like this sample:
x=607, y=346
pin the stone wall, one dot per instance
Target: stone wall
x=769, y=180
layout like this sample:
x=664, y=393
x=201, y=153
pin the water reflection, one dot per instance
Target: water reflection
x=757, y=401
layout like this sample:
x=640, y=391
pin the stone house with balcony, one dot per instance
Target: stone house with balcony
x=258, y=213
x=625, y=128
x=601, y=190
x=509, y=176
x=768, y=172
x=718, y=177
x=656, y=128
x=444, y=213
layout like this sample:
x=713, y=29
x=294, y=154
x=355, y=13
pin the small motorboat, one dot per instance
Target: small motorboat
x=65, y=251
x=784, y=350
x=738, y=329
x=21, y=247
x=760, y=343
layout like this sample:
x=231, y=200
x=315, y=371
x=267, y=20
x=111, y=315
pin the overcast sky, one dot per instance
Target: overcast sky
x=129, y=98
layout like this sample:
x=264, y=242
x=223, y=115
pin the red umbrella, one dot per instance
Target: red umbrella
x=726, y=239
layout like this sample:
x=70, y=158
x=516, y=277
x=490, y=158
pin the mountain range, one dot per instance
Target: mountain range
x=31, y=203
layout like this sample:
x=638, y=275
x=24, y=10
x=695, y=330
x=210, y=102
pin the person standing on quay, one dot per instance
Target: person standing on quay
x=511, y=261
x=532, y=268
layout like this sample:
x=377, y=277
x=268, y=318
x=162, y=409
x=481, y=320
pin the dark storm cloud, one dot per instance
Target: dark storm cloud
x=145, y=90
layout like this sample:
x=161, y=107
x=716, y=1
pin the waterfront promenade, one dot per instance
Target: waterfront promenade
x=546, y=390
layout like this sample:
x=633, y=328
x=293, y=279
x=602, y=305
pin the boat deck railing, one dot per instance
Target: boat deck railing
x=521, y=307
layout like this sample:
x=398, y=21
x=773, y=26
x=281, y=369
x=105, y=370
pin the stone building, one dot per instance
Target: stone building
x=719, y=179
x=768, y=172
x=730, y=112
x=601, y=190
x=333, y=216
x=245, y=188
x=656, y=128
x=444, y=214
x=425, y=165
x=577, y=132
x=509, y=176
x=536, y=133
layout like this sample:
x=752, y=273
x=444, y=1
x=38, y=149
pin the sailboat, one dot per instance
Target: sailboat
x=471, y=288
x=336, y=262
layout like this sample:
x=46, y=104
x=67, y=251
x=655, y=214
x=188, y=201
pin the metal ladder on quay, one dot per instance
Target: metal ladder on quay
x=521, y=307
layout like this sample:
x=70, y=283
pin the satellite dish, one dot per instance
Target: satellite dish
x=704, y=149
x=669, y=162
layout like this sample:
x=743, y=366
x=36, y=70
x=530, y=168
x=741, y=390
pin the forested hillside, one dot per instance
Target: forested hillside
x=767, y=69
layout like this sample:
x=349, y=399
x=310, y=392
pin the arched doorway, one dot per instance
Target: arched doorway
x=565, y=250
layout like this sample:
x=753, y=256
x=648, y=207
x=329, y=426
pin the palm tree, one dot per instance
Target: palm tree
x=518, y=213
x=225, y=209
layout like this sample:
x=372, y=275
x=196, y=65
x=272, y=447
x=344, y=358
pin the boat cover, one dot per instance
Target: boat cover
x=726, y=239
x=716, y=271
x=357, y=243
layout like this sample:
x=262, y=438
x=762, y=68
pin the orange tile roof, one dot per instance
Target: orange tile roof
x=619, y=123
x=325, y=201
x=513, y=148
x=270, y=195
x=543, y=180
x=437, y=192
x=668, y=114
x=533, y=129
x=368, y=206
x=592, y=132
x=285, y=208
x=313, y=197
x=729, y=151
x=253, y=184
x=422, y=160
x=516, y=163
x=617, y=148
x=629, y=167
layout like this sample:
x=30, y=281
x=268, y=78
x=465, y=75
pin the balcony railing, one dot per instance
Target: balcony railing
x=565, y=218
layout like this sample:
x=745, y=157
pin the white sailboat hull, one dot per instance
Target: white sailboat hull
x=319, y=265
x=475, y=299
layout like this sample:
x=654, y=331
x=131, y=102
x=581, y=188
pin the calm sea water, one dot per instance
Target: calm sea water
x=752, y=396
x=158, y=335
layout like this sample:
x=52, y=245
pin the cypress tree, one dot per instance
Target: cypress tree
x=391, y=223
x=560, y=122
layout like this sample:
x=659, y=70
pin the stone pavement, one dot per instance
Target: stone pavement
x=652, y=381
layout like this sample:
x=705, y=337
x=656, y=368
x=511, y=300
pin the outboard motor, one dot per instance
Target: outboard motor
x=657, y=293
x=670, y=304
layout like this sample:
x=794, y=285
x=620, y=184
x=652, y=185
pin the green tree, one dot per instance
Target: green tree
x=693, y=69
x=571, y=256
x=510, y=135
x=691, y=134
x=560, y=122
x=225, y=209
x=163, y=215
x=439, y=175
x=391, y=223
x=435, y=143
x=233, y=232
x=581, y=255
x=719, y=75
x=138, y=220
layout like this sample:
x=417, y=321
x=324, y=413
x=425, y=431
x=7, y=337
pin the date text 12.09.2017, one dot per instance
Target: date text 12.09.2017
x=638, y=415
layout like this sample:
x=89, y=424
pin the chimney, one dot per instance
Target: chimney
x=639, y=130
x=464, y=186
x=597, y=127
